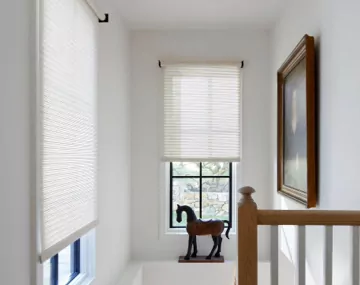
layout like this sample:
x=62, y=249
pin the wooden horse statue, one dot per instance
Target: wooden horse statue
x=196, y=227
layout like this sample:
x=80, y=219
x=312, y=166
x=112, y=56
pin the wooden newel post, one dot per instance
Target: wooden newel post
x=247, y=238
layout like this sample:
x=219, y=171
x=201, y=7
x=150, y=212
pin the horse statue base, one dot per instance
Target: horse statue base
x=201, y=259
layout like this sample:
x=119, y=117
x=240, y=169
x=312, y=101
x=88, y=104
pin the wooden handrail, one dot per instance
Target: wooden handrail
x=249, y=218
x=308, y=217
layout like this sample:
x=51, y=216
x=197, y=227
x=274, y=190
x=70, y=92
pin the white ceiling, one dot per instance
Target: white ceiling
x=199, y=13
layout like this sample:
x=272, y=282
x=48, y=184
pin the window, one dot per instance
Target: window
x=73, y=265
x=64, y=267
x=204, y=186
x=201, y=137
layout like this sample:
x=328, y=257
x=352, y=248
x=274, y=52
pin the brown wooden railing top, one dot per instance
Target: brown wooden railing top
x=300, y=217
x=308, y=217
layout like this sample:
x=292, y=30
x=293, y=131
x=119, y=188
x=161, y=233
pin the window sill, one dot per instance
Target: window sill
x=82, y=279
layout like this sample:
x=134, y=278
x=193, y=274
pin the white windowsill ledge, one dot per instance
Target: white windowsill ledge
x=82, y=279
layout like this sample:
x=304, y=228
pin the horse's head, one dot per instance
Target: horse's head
x=178, y=214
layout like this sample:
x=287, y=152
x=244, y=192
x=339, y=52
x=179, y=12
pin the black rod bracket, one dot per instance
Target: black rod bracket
x=159, y=64
x=106, y=20
x=242, y=64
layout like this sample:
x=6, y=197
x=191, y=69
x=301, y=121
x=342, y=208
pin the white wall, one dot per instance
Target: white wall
x=147, y=47
x=15, y=142
x=113, y=232
x=334, y=25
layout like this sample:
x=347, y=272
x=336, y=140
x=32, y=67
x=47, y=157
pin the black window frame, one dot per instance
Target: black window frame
x=200, y=177
x=75, y=265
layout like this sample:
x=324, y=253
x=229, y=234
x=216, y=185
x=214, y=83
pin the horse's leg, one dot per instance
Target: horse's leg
x=191, y=238
x=217, y=254
x=216, y=240
x=195, y=248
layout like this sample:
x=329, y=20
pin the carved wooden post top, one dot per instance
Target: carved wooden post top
x=246, y=193
x=247, y=190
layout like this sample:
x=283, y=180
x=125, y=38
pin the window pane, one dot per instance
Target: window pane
x=65, y=266
x=215, y=198
x=46, y=272
x=185, y=191
x=215, y=168
x=186, y=169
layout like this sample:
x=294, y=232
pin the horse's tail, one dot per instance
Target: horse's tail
x=228, y=229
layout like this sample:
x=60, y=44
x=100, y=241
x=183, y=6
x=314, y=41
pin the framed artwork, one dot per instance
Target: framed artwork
x=297, y=163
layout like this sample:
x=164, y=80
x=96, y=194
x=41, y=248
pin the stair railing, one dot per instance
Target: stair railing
x=249, y=218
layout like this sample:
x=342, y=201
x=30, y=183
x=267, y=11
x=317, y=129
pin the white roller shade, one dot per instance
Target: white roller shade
x=68, y=144
x=202, y=112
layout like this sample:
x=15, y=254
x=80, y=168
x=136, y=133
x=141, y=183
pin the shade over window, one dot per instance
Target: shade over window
x=202, y=112
x=68, y=144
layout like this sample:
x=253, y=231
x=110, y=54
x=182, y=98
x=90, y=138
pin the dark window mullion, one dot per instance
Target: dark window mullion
x=171, y=195
x=75, y=264
x=230, y=193
x=54, y=265
x=75, y=261
x=200, y=191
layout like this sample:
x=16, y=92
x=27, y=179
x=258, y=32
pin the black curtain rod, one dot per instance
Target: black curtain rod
x=242, y=64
